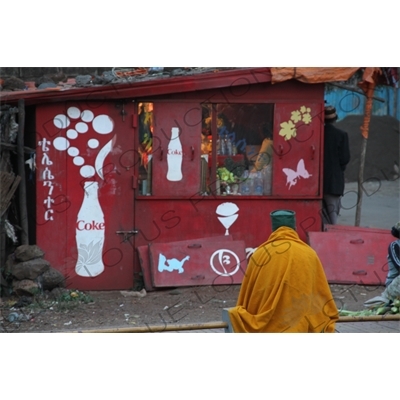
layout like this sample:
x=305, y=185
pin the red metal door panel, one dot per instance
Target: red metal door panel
x=297, y=149
x=144, y=256
x=144, y=260
x=356, y=257
x=216, y=263
x=349, y=228
x=83, y=150
x=182, y=151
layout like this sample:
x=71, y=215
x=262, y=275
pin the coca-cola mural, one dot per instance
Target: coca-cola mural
x=80, y=181
x=90, y=220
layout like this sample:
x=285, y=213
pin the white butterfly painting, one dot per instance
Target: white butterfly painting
x=293, y=176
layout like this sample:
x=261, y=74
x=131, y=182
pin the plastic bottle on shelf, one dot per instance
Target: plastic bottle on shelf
x=228, y=146
x=246, y=184
x=258, y=186
x=267, y=179
x=234, y=149
x=223, y=146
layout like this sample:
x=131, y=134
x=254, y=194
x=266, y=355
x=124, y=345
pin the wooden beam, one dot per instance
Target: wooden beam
x=21, y=172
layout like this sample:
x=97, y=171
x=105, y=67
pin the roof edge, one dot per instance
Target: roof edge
x=145, y=88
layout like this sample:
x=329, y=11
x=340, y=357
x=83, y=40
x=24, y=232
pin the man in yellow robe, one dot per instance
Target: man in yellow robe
x=285, y=287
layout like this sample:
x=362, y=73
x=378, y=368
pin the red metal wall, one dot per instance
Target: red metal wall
x=165, y=220
x=169, y=215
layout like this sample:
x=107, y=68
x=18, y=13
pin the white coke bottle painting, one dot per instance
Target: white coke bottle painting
x=90, y=230
x=174, y=157
x=90, y=223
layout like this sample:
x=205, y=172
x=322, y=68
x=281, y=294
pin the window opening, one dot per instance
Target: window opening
x=146, y=126
x=242, y=135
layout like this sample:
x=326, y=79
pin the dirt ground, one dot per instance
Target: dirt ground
x=116, y=309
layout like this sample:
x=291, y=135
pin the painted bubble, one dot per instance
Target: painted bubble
x=227, y=209
x=61, y=121
x=73, y=151
x=87, y=116
x=103, y=124
x=72, y=134
x=87, y=171
x=61, y=143
x=73, y=112
x=79, y=161
x=93, y=143
x=81, y=127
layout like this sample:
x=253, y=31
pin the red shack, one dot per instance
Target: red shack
x=186, y=168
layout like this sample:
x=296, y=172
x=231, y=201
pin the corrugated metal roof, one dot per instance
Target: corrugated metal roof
x=149, y=85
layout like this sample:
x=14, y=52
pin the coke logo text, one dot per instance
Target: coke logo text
x=90, y=226
x=175, y=152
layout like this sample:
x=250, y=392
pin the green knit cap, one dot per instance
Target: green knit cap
x=283, y=218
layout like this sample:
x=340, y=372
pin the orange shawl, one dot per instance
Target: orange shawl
x=284, y=289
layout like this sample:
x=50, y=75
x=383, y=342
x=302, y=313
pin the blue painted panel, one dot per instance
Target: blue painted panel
x=351, y=103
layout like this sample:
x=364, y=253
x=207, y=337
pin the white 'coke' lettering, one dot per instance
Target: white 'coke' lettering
x=89, y=226
x=173, y=152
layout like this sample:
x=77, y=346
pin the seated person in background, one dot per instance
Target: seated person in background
x=392, y=279
x=264, y=157
x=392, y=283
x=284, y=288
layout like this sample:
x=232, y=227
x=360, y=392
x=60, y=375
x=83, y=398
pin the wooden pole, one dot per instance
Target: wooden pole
x=159, y=328
x=360, y=181
x=370, y=318
x=21, y=172
x=219, y=325
x=364, y=132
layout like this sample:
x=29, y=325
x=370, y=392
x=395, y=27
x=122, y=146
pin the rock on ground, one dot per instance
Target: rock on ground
x=25, y=287
x=30, y=269
x=51, y=279
x=28, y=252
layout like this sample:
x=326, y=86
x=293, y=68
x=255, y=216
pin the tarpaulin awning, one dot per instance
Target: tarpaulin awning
x=312, y=75
x=370, y=75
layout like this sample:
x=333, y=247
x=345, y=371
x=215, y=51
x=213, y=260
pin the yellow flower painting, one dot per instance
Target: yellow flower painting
x=288, y=130
x=307, y=118
x=296, y=116
x=305, y=111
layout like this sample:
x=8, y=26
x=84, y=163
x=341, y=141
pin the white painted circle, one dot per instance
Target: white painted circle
x=74, y=112
x=87, y=116
x=87, y=171
x=73, y=151
x=103, y=124
x=81, y=127
x=61, y=121
x=217, y=262
x=93, y=143
x=79, y=161
x=61, y=143
x=72, y=134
